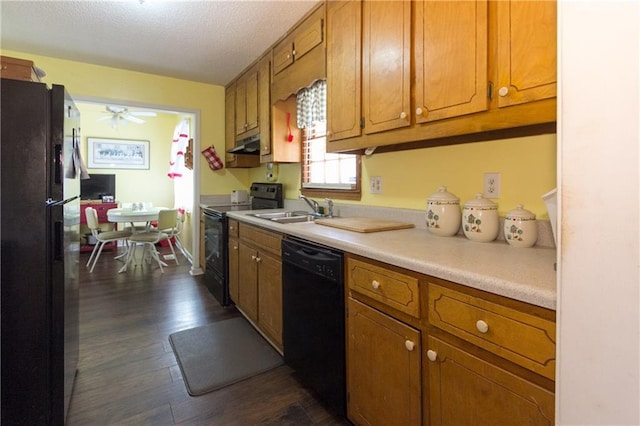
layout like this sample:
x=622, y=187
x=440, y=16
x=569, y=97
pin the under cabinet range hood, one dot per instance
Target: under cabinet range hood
x=249, y=145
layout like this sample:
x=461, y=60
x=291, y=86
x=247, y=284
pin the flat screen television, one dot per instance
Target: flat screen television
x=97, y=186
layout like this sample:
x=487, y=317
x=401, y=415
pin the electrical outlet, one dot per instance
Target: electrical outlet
x=492, y=185
x=375, y=184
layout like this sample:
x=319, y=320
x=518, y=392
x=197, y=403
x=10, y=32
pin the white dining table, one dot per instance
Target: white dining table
x=131, y=216
x=128, y=215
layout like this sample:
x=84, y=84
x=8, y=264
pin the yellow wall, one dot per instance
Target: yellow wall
x=527, y=168
x=527, y=165
x=152, y=185
x=87, y=81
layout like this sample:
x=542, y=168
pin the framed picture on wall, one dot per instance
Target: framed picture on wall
x=118, y=154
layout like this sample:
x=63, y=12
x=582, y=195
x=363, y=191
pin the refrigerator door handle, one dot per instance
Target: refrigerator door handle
x=50, y=202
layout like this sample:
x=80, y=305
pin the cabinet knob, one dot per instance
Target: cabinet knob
x=235, y=247
x=293, y=53
x=504, y=90
x=288, y=55
x=375, y=284
x=482, y=326
x=403, y=115
x=419, y=112
x=409, y=345
x=231, y=228
x=432, y=355
x=253, y=257
x=258, y=260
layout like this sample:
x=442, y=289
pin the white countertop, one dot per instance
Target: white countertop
x=525, y=274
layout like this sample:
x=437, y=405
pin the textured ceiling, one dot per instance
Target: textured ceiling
x=205, y=41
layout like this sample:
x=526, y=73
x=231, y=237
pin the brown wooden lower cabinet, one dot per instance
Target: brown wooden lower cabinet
x=467, y=390
x=255, y=278
x=383, y=368
x=426, y=351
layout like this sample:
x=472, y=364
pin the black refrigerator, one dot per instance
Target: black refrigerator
x=40, y=214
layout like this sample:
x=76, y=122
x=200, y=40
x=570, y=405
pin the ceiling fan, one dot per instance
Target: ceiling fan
x=121, y=115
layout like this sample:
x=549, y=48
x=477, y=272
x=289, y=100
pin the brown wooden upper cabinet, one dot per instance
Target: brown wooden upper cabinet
x=247, y=112
x=299, y=43
x=418, y=70
x=247, y=102
x=299, y=58
x=527, y=58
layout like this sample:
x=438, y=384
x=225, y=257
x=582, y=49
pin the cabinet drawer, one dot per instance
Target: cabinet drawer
x=394, y=289
x=523, y=338
x=265, y=240
x=233, y=228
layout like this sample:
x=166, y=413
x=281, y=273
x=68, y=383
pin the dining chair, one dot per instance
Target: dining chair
x=171, y=225
x=102, y=237
x=166, y=220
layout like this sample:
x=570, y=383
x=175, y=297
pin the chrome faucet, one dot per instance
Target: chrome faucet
x=312, y=203
x=329, y=202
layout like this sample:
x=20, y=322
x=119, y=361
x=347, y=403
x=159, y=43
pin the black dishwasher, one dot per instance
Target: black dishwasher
x=313, y=319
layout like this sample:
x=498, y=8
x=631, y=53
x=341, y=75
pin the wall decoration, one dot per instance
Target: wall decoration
x=118, y=154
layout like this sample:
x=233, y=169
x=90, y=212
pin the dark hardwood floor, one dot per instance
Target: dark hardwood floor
x=128, y=374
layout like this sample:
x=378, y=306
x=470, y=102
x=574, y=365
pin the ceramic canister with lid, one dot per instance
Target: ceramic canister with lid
x=443, y=213
x=520, y=228
x=480, y=219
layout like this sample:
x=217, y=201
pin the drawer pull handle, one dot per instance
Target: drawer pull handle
x=409, y=345
x=482, y=326
x=432, y=355
x=375, y=284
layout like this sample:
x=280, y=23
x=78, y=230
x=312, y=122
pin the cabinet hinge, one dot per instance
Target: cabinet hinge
x=490, y=91
x=362, y=122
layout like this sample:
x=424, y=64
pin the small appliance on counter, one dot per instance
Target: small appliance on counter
x=239, y=197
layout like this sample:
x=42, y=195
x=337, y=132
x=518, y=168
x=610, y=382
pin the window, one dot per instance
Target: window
x=324, y=174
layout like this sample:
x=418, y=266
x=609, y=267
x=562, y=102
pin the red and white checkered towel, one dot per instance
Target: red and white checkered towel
x=215, y=163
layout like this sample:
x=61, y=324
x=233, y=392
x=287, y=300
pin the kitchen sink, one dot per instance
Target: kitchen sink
x=286, y=217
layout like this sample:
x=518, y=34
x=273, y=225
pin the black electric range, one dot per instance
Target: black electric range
x=216, y=236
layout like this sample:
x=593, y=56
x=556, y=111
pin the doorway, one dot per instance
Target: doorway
x=126, y=120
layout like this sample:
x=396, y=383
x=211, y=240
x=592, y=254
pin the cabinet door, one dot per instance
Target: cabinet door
x=234, y=281
x=344, y=28
x=247, y=102
x=230, y=121
x=383, y=368
x=309, y=36
x=526, y=51
x=450, y=58
x=248, y=282
x=270, y=297
x=241, y=106
x=264, y=105
x=467, y=390
x=386, y=62
x=252, y=99
x=282, y=56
